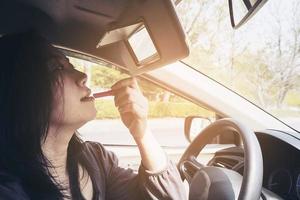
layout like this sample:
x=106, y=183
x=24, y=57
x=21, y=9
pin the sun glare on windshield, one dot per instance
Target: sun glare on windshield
x=260, y=60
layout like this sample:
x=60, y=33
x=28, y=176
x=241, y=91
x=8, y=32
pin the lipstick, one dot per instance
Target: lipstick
x=103, y=94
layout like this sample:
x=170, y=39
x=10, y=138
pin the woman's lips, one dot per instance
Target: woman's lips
x=97, y=95
x=85, y=99
x=87, y=96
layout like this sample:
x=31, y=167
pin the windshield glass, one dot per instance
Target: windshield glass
x=260, y=61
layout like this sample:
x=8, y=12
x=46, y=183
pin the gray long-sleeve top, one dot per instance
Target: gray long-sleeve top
x=115, y=183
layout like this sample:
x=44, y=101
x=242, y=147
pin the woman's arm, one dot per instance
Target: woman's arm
x=158, y=178
x=133, y=108
x=117, y=183
x=153, y=156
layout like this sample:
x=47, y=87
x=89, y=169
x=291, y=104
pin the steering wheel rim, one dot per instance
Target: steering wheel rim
x=253, y=163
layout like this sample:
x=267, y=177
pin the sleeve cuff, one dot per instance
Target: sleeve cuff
x=147, y=172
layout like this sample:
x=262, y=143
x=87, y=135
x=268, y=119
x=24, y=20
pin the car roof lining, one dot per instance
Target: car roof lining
x=81, y=24
x=94, y=15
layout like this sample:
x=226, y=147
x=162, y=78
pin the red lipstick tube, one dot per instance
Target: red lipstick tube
x=103, y=94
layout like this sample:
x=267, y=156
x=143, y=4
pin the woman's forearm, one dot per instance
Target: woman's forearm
x=133, y=108
x=153, y=156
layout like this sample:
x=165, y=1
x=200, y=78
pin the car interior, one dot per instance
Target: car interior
x=258, y=163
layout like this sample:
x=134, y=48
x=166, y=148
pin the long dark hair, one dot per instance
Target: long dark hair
x=26, y=88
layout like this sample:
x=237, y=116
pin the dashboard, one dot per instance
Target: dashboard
x=281, y=157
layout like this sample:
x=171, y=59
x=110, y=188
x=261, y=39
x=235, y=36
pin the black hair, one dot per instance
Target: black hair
x=26, y=88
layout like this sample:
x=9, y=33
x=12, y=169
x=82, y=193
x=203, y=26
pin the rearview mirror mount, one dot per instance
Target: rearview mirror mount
x=242, y=10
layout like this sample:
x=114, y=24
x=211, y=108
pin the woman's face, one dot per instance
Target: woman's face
x=73, y=105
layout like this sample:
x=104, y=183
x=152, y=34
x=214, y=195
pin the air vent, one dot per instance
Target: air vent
x=190, y=169
x=224, y=162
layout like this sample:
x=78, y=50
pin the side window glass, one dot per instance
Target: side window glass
x=167, y=113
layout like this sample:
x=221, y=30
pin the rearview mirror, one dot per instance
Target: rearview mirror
x=193, y=125
x=242, y=10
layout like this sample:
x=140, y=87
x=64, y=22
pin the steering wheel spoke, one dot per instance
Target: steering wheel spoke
x=189, y=167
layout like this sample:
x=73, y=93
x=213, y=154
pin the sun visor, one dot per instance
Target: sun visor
x=119, y=34
x=147, y=36
x=136, y=35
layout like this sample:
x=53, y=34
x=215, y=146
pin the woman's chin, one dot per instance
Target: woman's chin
x=91, y=112
x=92, y=115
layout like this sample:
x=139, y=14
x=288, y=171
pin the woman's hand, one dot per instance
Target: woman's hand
x=133, y=108
x=132, y=105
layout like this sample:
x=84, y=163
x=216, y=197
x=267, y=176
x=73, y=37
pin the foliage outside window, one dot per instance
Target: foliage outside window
x=161, y=102
x=260, y=61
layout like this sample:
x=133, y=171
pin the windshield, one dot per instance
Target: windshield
x=260, y=61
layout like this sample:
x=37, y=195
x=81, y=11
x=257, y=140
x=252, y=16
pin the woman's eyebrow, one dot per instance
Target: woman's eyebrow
x=60, y=55
x=66, y=58
x=63, y=58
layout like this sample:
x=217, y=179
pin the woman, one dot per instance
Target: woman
x=44, y=100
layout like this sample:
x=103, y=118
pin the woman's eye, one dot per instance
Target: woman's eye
x=72, y=66
x=59, y=67
x=54, y=65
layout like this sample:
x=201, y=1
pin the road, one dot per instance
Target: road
x=168, y=131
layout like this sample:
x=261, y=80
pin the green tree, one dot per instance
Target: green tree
x=105, y=77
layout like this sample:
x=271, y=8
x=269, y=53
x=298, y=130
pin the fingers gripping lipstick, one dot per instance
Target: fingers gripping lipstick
x=103, y=94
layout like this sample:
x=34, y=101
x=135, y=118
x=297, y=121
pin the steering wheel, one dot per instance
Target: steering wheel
x=208, y=182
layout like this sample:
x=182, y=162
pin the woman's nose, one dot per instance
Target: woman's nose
x=82, y=78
